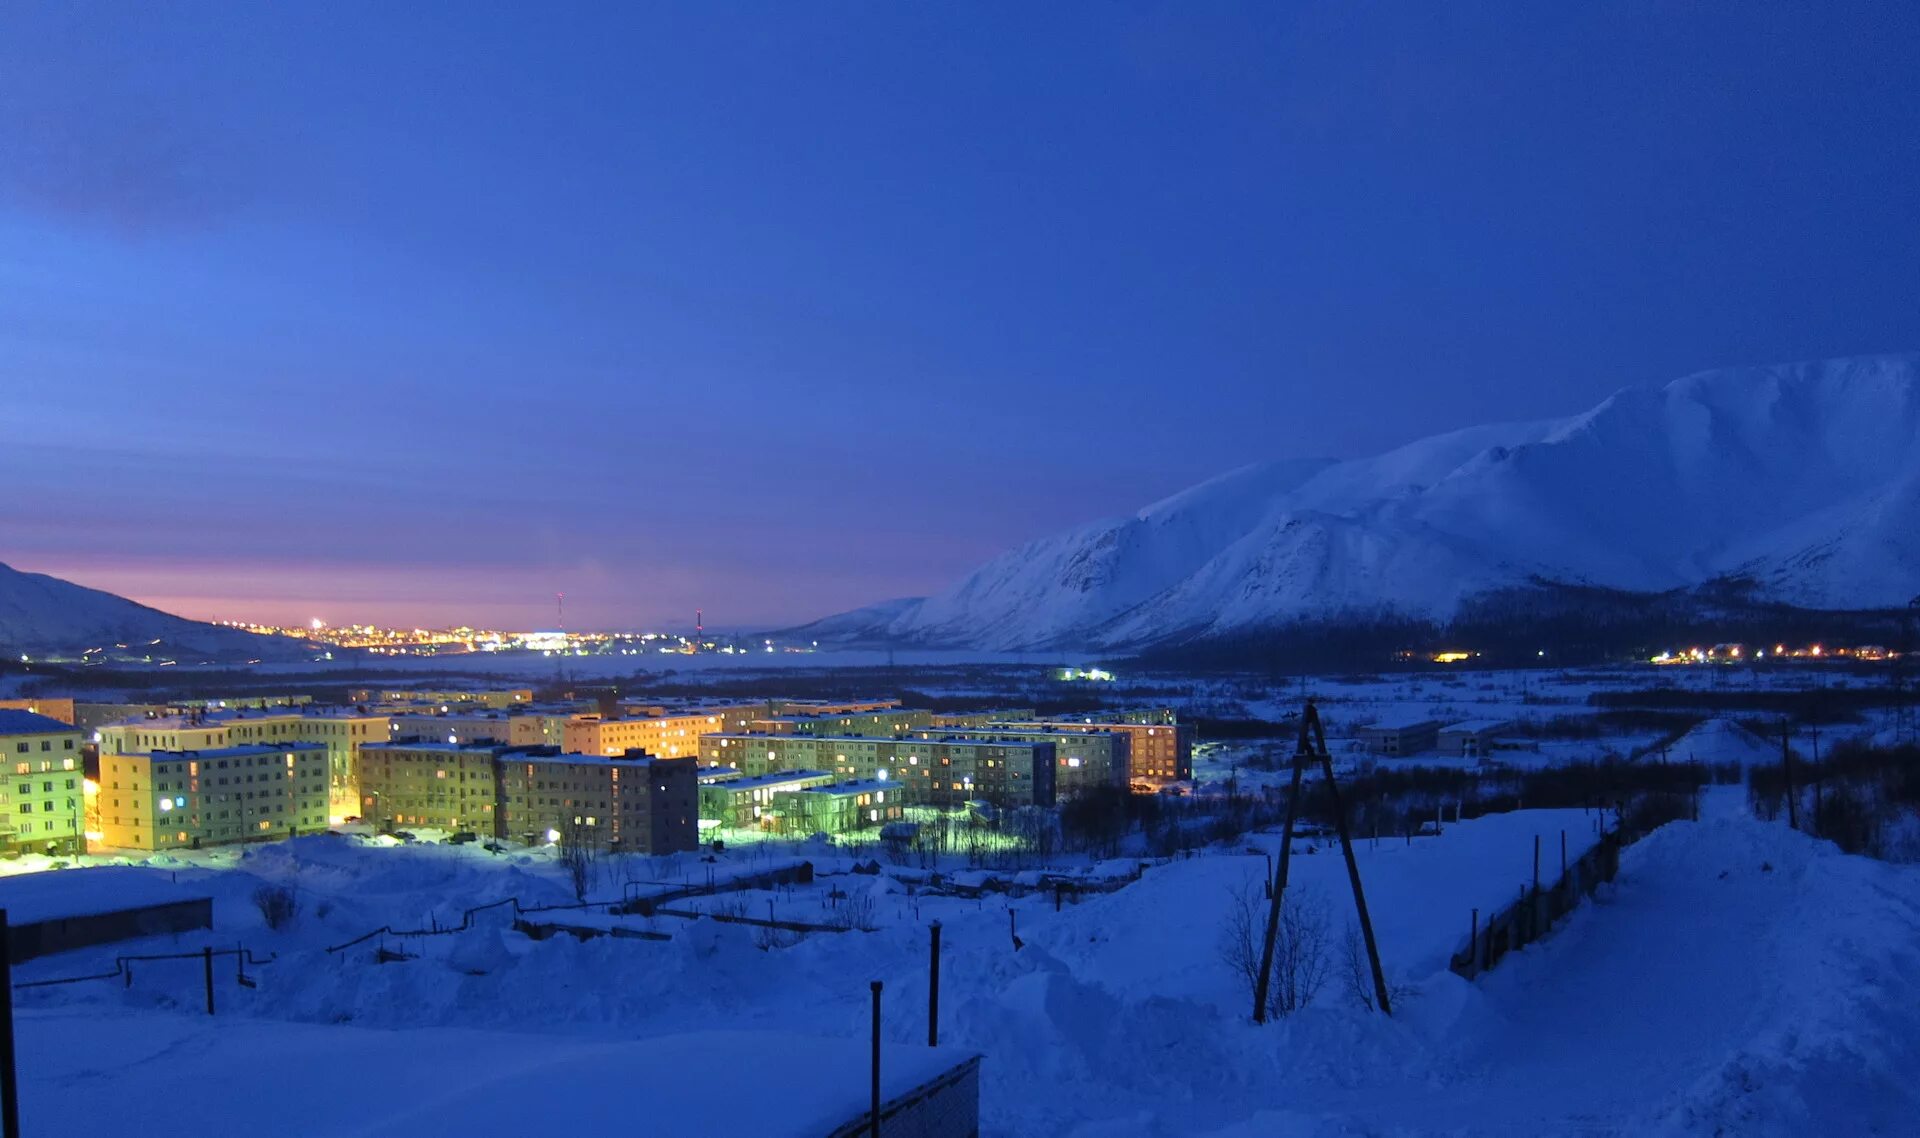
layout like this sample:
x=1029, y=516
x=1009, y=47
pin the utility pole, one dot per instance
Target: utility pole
x=1786, y=766
x=1312, y=745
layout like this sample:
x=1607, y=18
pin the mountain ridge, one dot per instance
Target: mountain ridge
x=1798, y=483
x=42, y=615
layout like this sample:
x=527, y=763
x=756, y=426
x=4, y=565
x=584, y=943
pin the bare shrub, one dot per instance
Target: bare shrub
x=278, y=905
x=855, y=911
x=1301, y=961
x=579, y=856
x=1358, y=973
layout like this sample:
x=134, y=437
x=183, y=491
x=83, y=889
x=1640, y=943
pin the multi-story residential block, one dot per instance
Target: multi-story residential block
x=933, y=772
x=448, y=786
x=981, y=718
x=1083, y=760
x=670, y=734
x=884, y=721
x=1159, y=752
x=62, y=709
x=445, y=700
x=341, y=730
x=173, y=799
x=42, y=793
x=632, y=803
x=747, y=801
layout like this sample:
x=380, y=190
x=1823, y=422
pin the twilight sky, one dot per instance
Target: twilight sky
x=421, y=312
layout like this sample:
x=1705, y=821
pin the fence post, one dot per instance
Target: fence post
x=875, y=1131
x=207, y=956
x=1536, y=863
x=1563, y=855
x=1473, y=944
x=9, y=1078
x=933, y=990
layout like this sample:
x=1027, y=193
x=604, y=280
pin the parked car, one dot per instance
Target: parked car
x=463, y=839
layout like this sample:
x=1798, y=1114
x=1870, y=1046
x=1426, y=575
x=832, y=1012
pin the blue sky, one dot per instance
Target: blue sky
x=424, y=312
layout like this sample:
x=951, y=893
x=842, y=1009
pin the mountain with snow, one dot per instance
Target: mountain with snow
x=43, y=616
x=1794, y=486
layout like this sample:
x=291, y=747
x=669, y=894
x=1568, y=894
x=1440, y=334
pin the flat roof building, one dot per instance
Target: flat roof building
x=1401, y=736
x=1471, y=739
x=631, y=803
x=446, y=786
x=747, y=801
x=945, y=771
x=188, y=799
x=42, y=792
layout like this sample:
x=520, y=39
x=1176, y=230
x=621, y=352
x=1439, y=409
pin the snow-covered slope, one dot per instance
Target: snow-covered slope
x=1802, y=479
x=46, y=616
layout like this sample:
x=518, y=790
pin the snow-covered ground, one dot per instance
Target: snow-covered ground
x=1737, y=978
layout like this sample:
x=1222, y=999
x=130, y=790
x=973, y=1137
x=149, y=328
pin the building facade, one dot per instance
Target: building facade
x=188, y=799
x=633, y=803
x=1083, y=760
x=670, y=734
x=42, y=788
x=341, y=730
x=945, y=771
x=446, y=786
x=1157, y=753
x=748, y=801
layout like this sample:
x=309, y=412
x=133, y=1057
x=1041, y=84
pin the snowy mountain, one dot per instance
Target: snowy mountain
x=44, y=616
x=1795, y=485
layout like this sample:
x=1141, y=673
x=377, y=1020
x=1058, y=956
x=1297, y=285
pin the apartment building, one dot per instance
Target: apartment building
x=446, y=786
x=496, y=698
x=945, y=771
x=341, y=730
x=1159, y=752
x=631, y=803
x=882, y=721
x=62, y=709
x=670, y=733
x=187, y=799
x=42, y=788
x=1083, y=760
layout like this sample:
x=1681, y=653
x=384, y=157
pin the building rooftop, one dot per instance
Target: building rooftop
x=245, y=751
x=574, y=758
x=31, y=723
x=720, y=774
x=919, y=735
x=773, y=778
x=1478, y=726
x=853, y=786
x=1401, y=723
x=449, y=748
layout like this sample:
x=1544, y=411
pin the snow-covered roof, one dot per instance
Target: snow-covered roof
x=853, y=786
x=244, y=751
x=451, y=748
x=773, y=778
x=15, y=722
x=531, y=755
x=53, y=894
x=1477, y=726
x=1401, y=723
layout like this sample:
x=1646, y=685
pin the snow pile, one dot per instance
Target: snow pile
x=1804, y=479
x=1737, y=978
